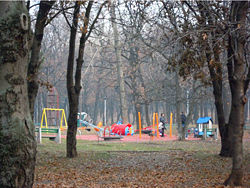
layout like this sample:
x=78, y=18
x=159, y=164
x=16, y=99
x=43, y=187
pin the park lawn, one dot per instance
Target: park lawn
x=148, y=164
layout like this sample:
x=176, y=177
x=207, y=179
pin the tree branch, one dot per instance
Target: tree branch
x=55, y=15
x=92, y=25
x=64, y=14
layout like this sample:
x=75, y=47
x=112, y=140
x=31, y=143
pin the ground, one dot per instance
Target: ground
x=192, y=163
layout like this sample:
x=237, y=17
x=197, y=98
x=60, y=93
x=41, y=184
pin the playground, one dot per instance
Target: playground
x=134, y=138
x=120, y=156
x=135, y=164
x=116, y=132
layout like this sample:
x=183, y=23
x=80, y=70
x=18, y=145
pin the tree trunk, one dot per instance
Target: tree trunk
x=85, y=99
x=216, y=77
x=112, y=111
x=96, y=102
x=239, y=76
x=74, y=85
x=178, y=107
x=123, y=102
x=17, y=134
x=35, y=62
x=201, y=108
x=129, y=112
x=72, y=95
x=72, y=124
x=147, y=113
x=236, y=121
x=137, y=109
x=144, y=92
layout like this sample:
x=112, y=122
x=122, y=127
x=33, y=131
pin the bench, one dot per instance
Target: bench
x=106, y=138
x=48, y=132
x=211, y=133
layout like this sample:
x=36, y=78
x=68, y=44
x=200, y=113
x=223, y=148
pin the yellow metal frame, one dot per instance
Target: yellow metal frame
x=44, y=116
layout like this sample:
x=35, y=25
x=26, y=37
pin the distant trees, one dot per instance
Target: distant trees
x=161, y=56
x=17, y=131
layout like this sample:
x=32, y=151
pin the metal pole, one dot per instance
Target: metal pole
x=139, y=118
x=187, y=102
x=170, y=125
x=105, y=111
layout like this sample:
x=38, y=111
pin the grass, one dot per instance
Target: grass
x=82, y=146
x=147, y=164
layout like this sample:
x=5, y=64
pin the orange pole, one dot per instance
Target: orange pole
x=139, y=118
x=170, y=126
x=157, y=125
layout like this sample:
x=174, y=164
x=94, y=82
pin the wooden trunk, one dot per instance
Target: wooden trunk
x=17, y=133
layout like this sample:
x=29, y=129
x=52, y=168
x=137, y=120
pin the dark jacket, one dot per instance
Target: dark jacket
x=163, y=121
x=183, y=119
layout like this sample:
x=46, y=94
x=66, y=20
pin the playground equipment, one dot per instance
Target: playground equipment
x=150, y=130
x=83, y=116
x=48, y=133
x=154, y=130
x=205, y=128
x=170, y=124
x=102, y=132
x=155, y=120
x=122, y=129
x=44, y=117
x=51, y=131
x=85, y=121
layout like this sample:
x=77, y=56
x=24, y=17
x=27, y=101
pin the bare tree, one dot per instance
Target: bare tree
x=35, y=61
x=120, y=72
x=74, y=80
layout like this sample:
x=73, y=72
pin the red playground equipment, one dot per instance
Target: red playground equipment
x=123, y=129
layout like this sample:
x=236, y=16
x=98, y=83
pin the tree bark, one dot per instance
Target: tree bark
x=238, y=75
x=144, y=93
x=35, y=62
x=137, y=109
x=72, y=95
x=123, y=102
x=74, y=85
x=178, y=107
x=96, y=101
x=17, y=134
x=215, y=71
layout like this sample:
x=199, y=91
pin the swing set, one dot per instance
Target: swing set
x=63, y=117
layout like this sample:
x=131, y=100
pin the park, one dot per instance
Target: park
x=124, y=93
x=133, y=158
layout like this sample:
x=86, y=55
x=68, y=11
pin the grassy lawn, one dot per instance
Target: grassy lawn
x=120, y=164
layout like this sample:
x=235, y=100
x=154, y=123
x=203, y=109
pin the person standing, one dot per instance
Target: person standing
x=183, y=122
x=163, y=121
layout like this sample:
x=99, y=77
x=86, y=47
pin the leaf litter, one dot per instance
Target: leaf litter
x=170, y=167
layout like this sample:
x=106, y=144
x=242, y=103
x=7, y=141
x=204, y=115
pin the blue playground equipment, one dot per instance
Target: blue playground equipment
x=204, y=124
